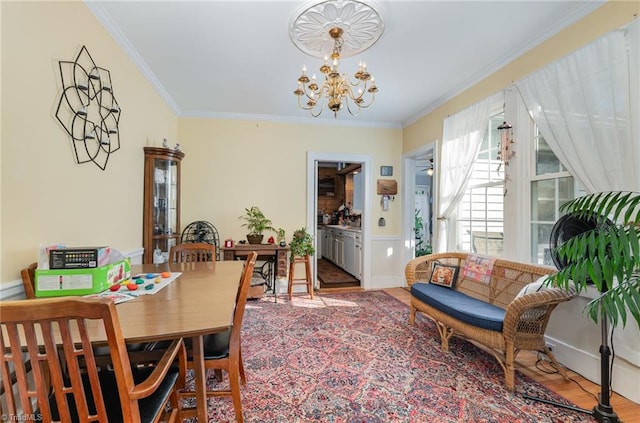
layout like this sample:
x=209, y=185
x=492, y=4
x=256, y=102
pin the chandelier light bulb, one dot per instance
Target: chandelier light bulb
x=304, y=69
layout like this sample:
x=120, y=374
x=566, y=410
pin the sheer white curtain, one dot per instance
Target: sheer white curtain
x=461, y=140
x=582, y=104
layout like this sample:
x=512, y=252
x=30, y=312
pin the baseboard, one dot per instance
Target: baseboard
x=624, y=379
x=385, y=281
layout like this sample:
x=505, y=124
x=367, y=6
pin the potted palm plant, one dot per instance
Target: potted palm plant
x=256, y=223
x=607, y=255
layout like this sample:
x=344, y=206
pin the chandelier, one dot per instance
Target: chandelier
x=336, y=88
x=334, y=29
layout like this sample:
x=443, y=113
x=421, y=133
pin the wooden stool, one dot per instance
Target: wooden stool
x=308, y=281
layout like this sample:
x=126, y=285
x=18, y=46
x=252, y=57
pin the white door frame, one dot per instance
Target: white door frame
x=312, y=204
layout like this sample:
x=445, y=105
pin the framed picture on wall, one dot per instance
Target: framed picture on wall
x=386, y=170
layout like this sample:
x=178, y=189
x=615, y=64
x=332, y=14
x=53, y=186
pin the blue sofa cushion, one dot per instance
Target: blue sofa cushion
x=463, y=307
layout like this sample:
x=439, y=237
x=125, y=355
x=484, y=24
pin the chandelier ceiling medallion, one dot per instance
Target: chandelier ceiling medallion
x=331, y=30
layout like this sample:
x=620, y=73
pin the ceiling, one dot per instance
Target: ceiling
x=234, y=59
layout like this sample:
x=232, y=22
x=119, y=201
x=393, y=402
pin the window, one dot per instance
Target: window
x=480, y=215
x=551, y=186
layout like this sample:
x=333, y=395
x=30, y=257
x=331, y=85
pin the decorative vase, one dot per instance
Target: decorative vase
x=255, y=239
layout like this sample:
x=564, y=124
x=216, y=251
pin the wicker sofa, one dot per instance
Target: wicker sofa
x=499, y=321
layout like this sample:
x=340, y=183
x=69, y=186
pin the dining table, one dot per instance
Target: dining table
x=200, y=301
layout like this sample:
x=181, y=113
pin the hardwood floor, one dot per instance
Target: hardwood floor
x=627, y=411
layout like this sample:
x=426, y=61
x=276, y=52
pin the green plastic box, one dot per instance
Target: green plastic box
x=63, y=282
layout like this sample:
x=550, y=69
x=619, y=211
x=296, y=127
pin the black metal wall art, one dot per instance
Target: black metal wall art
x=88, y=110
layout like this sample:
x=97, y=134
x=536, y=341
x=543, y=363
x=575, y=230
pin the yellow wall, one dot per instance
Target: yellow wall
x=611, y=15
x=46, y=196
x=234, y=164
x=229, y=164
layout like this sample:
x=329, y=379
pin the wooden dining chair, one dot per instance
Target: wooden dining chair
x=29, y=280
x=192, y=252
x=102, y=352
x=45, y=332
x=222, y=351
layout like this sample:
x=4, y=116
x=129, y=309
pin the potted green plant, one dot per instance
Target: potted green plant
x=301, y=244
x=418, y=225
x=256, y=223
x=281, y=237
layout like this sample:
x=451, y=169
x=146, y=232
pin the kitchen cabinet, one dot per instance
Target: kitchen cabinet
x=343, y=247
x=327, y=240
x=338, y=249
x=349, y=249
x=358, y=256
x=161, y=211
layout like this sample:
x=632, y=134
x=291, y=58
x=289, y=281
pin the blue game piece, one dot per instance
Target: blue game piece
x=151, y=275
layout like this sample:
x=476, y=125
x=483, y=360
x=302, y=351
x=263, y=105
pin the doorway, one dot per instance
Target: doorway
x=420, y=205
x=357, y=261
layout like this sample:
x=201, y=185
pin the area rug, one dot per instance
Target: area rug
x=329, y=273
x=352, y=357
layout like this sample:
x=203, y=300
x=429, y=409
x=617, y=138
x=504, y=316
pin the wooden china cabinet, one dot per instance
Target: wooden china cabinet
x=161, y=219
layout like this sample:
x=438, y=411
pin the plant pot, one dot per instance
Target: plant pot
x=255, y=239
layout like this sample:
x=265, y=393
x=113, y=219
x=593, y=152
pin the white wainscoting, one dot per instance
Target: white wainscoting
x=387, y=263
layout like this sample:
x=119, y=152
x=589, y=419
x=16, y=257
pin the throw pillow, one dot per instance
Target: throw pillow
x=444, y=275
x=478, y=268
x=536, y=286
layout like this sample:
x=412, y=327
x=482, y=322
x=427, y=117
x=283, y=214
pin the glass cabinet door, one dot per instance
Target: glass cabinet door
x=164, y=197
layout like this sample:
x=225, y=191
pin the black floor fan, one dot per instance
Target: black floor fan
x=567, y=227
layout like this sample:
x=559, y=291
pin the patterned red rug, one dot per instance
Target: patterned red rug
x=352, y=357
